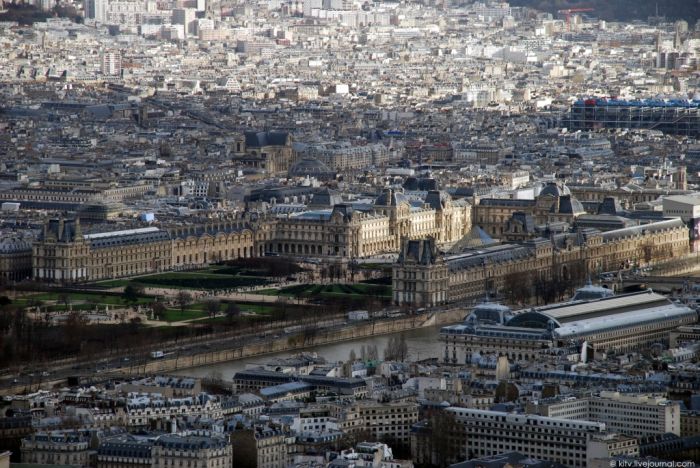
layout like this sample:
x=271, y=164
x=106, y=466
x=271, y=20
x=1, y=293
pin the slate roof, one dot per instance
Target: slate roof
x=262, y=139
x=493, y=254
x=568, y=205
x=437, y=199
x=105, y=240
x=390, y=197
x=506, y=202
x=189, y=442
x=555, y=190
x=126, y=445
x=644, y=228
x=285, y=388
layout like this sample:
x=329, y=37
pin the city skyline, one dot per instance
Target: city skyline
x=344, y=234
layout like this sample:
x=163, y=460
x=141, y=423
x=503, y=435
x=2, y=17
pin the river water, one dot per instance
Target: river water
x=423, y=343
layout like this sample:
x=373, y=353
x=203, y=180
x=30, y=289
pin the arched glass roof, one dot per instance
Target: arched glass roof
x=532, y=320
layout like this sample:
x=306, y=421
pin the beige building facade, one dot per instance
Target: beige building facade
x=64, y=254
x=473, y=273
x=342, y=231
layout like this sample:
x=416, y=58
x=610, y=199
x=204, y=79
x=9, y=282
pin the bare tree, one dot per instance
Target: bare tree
x=158, y=309
x=183, y=299
x=64, y=298
x=397, y=349
x=131, y=293
x=372, y=352
x=517, y=287
x=232, y=311
x=212, y=307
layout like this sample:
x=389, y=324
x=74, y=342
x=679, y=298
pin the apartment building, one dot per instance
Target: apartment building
x=143, y=410
x=607, y=446
x=382, y=420
x=632, y=415
x=59, y=448
x=195, y=451
x=560, y=440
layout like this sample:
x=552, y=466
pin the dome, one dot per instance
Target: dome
x=555, y=190
x=11, y=245
x=591, y=292
x=312, y=167
x=490, y=312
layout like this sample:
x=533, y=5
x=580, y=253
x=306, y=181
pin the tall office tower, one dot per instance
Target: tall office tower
x=201, y=5
x=96, y=9
x=112, y=63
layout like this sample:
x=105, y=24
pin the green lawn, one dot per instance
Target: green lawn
x=330, y=290
x=199, y=280
x=256, y=308
x=211, y=277
x=176, y=315
x=82, y=301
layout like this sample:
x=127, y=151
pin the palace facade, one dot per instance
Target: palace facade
x=554, y=204
x=64, y=254
x=349, y=231
x=423, y=276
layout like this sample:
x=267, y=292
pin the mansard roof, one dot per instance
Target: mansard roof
x=390, y=197
x=437, y=199
x=491, y=254
x=262, y=139
x=673, y=223
x=421, y=251
x=127, y=237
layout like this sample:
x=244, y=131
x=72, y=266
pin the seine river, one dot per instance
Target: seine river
x=423, y=343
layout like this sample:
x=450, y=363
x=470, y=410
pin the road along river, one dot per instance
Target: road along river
x=423, y=343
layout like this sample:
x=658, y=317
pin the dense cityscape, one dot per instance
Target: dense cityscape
x=345, y=234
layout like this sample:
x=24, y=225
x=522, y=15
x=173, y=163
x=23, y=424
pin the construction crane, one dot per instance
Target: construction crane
x=569, y=12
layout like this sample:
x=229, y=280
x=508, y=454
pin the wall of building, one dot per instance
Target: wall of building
x=609, y=251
